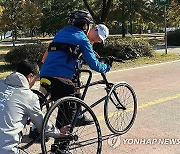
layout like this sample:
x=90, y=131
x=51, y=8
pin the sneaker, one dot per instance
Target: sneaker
x=34, y=134
x=83, y=121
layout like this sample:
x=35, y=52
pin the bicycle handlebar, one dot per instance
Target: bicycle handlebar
x=81, y=61
x=115, y=59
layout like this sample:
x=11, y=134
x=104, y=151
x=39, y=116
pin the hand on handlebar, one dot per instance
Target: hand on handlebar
x=109, y=60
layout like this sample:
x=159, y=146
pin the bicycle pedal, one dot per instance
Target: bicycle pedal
x=33, y=134
x=57, y=148
x=54, y=148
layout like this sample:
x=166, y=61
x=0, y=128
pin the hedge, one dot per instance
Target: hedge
x=126, y=48
x=32, y=52
x=173, y=38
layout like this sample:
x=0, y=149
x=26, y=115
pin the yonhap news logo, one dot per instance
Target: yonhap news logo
x=116, y=141
x=152, y=141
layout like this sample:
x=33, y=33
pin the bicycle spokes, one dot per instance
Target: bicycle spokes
x=82, y=138
x=117, y=101
x=120, y=108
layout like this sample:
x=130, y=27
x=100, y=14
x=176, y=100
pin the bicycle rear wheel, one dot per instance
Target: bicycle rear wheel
x=82, y=139
x=120, y=108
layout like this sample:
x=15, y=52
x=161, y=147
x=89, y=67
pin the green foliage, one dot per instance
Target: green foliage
x=126, y=48
x=32, y=52
x=144, y=13
x=173, y=38
x=11, y=18
x=32, y=13
x=174, y=14
x=55, y=15
x=48, y=16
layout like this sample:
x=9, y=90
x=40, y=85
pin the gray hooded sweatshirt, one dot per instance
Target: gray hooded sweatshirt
x=17, y=103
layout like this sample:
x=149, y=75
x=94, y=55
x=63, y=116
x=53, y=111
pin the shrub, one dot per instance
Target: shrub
x=126, y=48
x=173, y=38
x=32, y=52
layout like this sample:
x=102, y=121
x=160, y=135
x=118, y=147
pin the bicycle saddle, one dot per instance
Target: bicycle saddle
x=45, y=83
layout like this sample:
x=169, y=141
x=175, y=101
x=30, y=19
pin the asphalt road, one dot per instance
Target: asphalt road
x=157, y=126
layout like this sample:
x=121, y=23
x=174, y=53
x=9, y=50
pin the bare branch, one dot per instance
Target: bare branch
x=105, y=9
x=95, y=17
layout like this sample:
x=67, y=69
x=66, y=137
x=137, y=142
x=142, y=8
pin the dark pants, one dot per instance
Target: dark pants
x=61, y=89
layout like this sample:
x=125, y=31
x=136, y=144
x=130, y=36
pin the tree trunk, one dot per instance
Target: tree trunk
x=15, y=33
x=140, y=29
x=13, y=41
x=4, y=35
x=31, y=33
x=13, y=37
x=95, y=17
x=105, y=10
x=123, y=20
x=104, y=13
x=43, y=34
x=130, y=13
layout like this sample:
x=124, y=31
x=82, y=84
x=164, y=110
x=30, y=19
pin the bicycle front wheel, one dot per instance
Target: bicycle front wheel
x=120, y=108
x=83, y=138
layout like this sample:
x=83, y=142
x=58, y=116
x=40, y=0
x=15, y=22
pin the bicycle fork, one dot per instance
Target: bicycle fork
x=118, y=105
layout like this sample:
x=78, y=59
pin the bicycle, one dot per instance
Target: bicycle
x=117, y=101
x=120, y=103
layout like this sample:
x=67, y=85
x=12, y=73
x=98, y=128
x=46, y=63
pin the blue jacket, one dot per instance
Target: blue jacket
x=56, y=64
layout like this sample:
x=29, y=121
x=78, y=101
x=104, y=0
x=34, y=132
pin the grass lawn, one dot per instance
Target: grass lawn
x=157, y=58
x=5, y=68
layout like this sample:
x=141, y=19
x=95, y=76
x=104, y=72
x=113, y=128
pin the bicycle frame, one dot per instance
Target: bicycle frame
x=103, y=81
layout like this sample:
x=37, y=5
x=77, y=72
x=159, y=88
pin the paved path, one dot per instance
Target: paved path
x=170, y=49
x=156, y=129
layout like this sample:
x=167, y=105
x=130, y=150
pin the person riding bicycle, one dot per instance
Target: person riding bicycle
x=17, y=104
x=59, y=65
x=67, y=45
x=96, y=34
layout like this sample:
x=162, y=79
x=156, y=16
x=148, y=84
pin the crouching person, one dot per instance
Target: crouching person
x=17, y=104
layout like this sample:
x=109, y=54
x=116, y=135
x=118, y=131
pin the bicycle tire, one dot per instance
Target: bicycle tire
x=114, y=113
x=88, y=138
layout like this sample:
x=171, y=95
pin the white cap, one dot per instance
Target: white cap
x=103, y=31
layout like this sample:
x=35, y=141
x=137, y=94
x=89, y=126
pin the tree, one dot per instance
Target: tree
x=55, y=14
x=103, y=7
x=143, y=13
x=32, y=13
x=12, y=17
x=1, y=23
x=48, y=16
x=174, y=14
